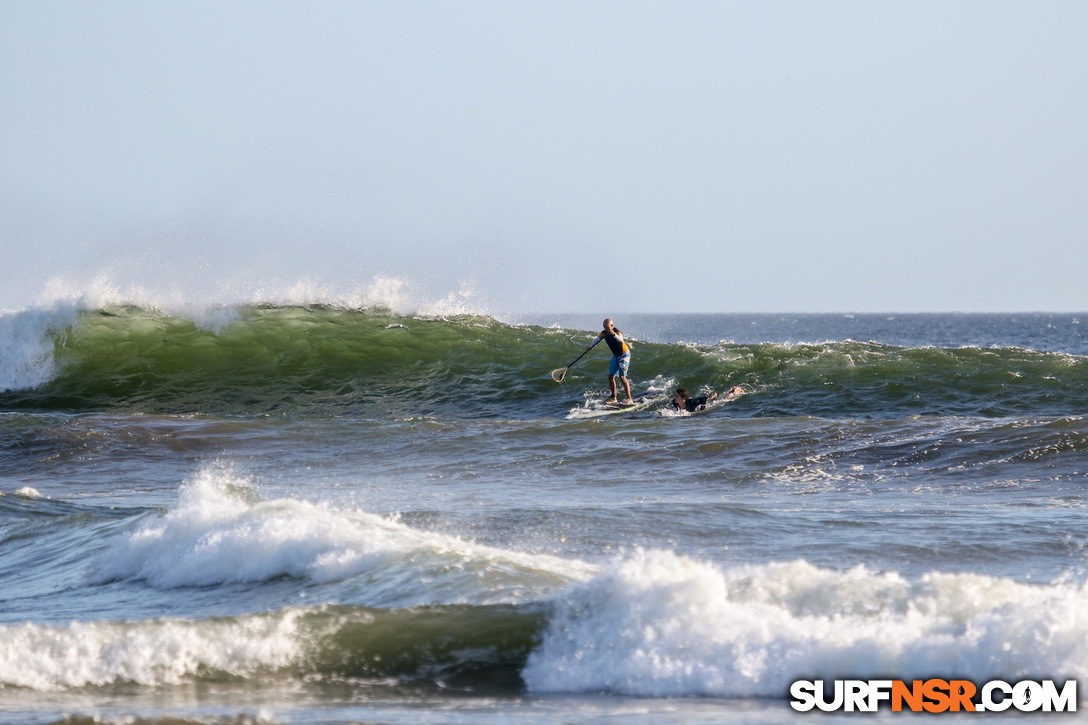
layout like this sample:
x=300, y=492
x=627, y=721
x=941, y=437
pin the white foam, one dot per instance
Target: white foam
x=153, y=652
x=27, y=344
x=222, y=532
x=659, y=624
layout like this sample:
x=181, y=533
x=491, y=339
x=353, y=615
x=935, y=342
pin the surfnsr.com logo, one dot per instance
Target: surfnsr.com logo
x=934, y=695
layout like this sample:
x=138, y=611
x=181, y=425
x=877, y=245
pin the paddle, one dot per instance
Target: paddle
x=559, y=373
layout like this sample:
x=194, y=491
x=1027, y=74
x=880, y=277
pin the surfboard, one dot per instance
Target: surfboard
x=595, y=409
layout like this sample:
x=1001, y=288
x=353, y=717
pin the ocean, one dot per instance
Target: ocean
x=345, y=513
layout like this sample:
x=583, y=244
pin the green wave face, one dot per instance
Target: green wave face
x=321, y=361
x=480, y=648
x=267, y=359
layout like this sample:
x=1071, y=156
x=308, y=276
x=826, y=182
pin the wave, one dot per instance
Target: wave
x=659, y=624
x=652, y=623
x=426, y=609
x=373, y=362
x=451, y=645
x=222, y=532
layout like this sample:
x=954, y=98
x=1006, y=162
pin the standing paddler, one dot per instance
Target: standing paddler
x=621, y=359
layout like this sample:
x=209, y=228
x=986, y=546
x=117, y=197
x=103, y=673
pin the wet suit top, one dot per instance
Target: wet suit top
x=693, y=404
x=615, y=342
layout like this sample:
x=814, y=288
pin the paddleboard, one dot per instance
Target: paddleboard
x=594, y=409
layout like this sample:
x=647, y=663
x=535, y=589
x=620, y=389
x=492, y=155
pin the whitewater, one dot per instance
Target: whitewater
x=313, y=507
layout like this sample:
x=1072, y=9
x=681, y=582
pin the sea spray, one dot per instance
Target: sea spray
x=27, y=343
x=393, y=295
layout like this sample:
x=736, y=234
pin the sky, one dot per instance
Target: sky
x=554, y=156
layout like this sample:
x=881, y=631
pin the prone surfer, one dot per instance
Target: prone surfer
x=682, y=400
x=621, y=359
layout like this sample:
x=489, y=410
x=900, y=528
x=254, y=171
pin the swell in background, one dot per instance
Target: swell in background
x=377, y=363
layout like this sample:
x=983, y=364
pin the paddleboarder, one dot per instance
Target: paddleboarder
x=621, y=359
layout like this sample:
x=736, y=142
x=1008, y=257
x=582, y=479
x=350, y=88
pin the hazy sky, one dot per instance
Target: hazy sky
x=553, y=156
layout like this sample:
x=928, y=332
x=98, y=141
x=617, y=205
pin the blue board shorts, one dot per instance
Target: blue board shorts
x=619, y=364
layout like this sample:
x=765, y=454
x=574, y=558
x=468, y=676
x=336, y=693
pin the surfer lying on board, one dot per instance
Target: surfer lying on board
x=621, y=359
x=682, y=400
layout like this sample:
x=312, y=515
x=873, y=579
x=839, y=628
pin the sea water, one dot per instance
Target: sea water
x=343, y=512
